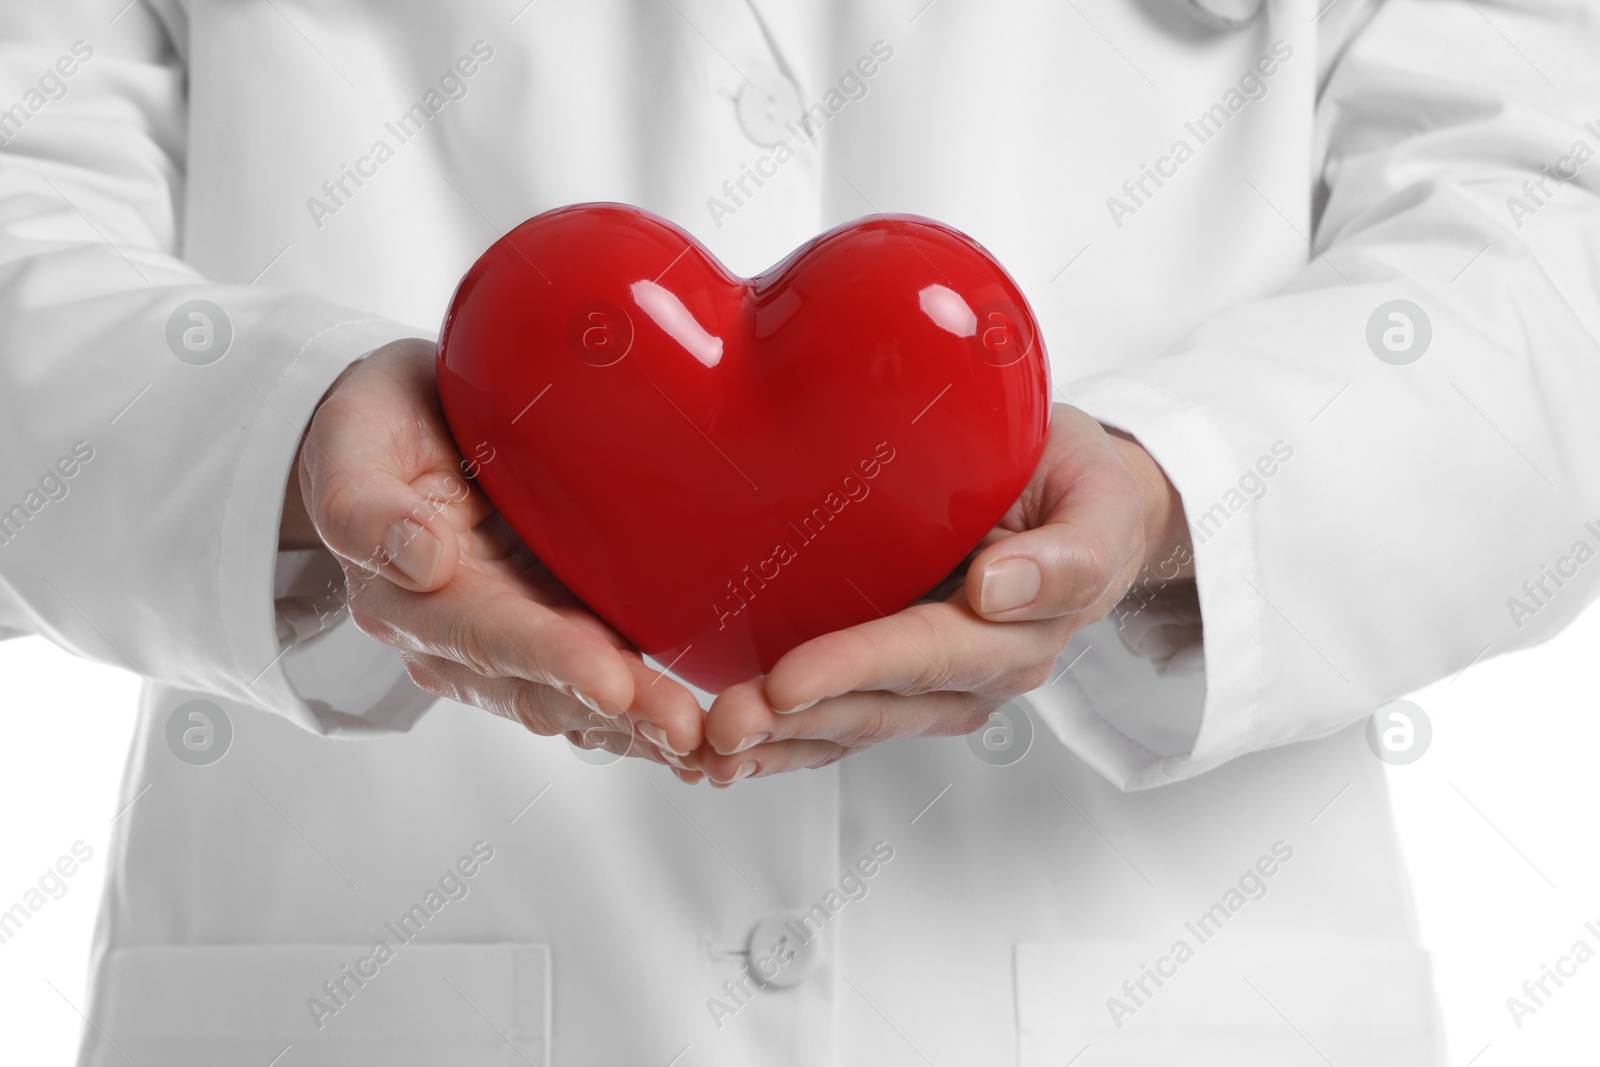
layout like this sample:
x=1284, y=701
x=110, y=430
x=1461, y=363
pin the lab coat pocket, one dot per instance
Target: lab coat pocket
x=1226, y=1002
x=330, y=1005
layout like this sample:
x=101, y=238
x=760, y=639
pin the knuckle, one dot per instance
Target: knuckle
x=365, y=621
x=333, y=512
x=958, y=724
x=357, y=579
x=833, y=755
x=932, y=642
x=370, y=622
x=936, y=678
x=462, y=643
x=1085, y=569
x=874, y=726
x=528, y=704
x=1033, y=676
x=975, y=720
x=425, y=677
x=589, y=738
x=962, y=715
x=470, y=651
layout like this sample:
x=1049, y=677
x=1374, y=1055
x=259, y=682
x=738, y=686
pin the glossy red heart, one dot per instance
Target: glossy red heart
x=723, y=468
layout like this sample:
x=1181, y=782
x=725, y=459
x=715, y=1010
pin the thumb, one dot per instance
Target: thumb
x=377, y=471
x=1091, y=529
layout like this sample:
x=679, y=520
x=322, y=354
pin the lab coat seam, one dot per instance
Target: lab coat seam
x=314, y=338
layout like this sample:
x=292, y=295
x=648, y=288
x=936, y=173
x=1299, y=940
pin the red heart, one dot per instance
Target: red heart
x=723, y=468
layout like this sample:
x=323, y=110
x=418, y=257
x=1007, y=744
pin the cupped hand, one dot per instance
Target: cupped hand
x=434, y=571
x=1065, y=553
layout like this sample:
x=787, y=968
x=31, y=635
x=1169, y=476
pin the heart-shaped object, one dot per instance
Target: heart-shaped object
x=721, y=467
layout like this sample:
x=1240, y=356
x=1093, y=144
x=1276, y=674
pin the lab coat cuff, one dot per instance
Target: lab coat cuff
x=1136, y=722
x=333, y=679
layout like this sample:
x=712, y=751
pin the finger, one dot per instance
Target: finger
x=924, y=649
x=378, y=470
x=540, y=708
x=1090, y=528
x=602, y=738
x=665, y=713
x=774, y=758
x=534, y=579
x=496, y=631
x=741, y=718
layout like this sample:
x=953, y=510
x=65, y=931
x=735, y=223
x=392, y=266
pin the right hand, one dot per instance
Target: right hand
x=434, y=571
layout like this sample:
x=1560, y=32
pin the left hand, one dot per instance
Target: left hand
x=1096, y=509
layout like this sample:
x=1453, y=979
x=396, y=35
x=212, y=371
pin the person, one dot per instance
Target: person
x=1316, y=290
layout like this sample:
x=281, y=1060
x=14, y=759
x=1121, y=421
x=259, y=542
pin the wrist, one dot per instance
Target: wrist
x=1168, y=553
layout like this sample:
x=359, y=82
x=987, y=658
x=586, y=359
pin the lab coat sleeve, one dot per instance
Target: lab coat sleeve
x=145, y=439
x=1366, y=526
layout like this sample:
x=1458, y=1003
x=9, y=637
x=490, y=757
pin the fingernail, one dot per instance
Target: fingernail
x=658, y=737
x=585, y=699
x=691, y=762
x=690, y=777
x=412, y=550
x=1009, y=584
x=748, y=743
x=746, y=769
x=797, y=707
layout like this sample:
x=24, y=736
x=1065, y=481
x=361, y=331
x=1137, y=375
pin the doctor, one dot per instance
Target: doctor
x=1317, y=286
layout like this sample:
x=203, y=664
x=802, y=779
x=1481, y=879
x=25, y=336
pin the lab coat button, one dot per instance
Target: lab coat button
x=765, y=103
x=783, y=949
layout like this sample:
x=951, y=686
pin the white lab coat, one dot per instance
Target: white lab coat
x=1217, y=314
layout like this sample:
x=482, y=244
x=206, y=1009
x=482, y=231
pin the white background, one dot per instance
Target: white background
x=1497, y=819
